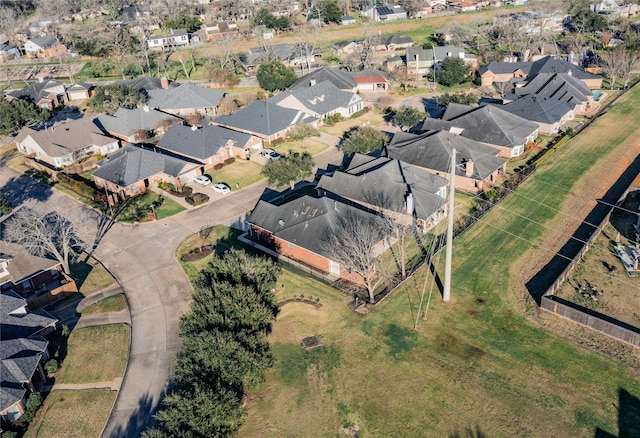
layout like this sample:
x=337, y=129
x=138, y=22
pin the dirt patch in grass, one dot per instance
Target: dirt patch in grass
x=96, y=354
x=114, y=303
x=71, y=414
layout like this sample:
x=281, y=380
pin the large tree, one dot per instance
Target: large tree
x=275, y=75
x=45, y=235
x=407, y=116
x=327, y=11
x=18, y=113
x=363, y=140
x=111, y=97
x=352, y=243
x=289, y=169
x=452, y=71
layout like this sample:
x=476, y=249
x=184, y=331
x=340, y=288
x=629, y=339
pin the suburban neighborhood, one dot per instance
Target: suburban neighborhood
x=330, y=218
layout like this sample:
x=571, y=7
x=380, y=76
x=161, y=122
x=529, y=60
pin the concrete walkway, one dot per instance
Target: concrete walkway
x=121, y=317
x=113, y=385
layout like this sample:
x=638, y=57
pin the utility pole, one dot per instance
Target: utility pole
x=446, y=295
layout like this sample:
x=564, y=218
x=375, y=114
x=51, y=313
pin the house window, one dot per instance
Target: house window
x=290, y=245
x=134, y=188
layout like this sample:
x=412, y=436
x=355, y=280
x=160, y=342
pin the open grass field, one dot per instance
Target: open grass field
x=114, y=303
x=72, y=414
x=485, y=362
x=244, y=174
x=96, y=354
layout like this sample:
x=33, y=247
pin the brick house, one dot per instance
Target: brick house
x=44, y=47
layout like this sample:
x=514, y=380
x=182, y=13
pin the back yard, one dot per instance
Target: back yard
x=488, y=362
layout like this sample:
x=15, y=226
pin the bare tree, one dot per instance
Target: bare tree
x=630, y=64
x=502, y=87
x=613, y=64
x=352, y=243
x=45, y=235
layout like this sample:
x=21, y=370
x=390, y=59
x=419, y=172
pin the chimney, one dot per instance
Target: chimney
x=468, y=168
x=410, y=204
x=164, y=83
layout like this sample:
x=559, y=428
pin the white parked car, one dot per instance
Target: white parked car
x=221, y=188
x=203, y=180
x=269, y=154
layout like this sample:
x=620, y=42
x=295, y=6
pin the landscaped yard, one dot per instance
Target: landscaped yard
x=71, y=414
x=237, y=175
x=114, y=303
x=95, y=354
x=483, y=362
x=311, y=145
x=90, y=275
x=143, y=203
x=372, y=118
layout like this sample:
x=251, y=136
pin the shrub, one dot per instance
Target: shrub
x=51, y=367
x=218, y=166
x=197, y=199
x=229, y=160
x=33, y=403
x=359, y=113
x=167, y=186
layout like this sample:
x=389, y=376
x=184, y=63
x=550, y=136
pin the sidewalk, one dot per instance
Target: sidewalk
x=113, y=386
x=109, y=291
x=121, y=317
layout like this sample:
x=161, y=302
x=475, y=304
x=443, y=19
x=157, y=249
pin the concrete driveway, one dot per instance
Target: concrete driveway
x=141, y=258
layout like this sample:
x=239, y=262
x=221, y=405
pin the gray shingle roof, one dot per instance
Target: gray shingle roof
x=304, y=221
x=201, y=143
x=432, y=150
x=441, y=52
x=19, y=359
x=36, y=91
x=371, y=72
x=127, y=121
x=559, y=86
x=132, y=163
x=487, y=124
x=538, y=109
x=386, y=183
x=320, y=99
x=44, y=42
x=63, y=138
x=339, y=78
x=261, y=117
x=147, y=83
x=22, y=264
x=505, y=67
x=21, y=325
x=184, y=96
x=283, y=52
x=395, y=39
x=554, y=65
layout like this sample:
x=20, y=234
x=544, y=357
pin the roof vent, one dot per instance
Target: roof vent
x=145, y=109
x=194, y=128
x=281, y=222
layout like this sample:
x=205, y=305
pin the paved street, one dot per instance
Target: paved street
x=141, y=258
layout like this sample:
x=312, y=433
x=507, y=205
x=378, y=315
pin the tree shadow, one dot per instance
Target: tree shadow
x=431, y=107
x=469, y=432
x=140, y=419
x=628, y=417
x=23, y=188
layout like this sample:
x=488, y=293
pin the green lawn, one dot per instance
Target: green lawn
x=476, y=364
x=72, y=414
x=114, y=303
x=95, y=354
x=237, y=175
x=311, y=145
x=143, y=203
x=90, y=276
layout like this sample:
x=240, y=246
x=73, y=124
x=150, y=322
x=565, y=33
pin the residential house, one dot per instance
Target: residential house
x=487, y=124
x=291, y=55
x=320, y=100
x=463, y=6
x=347, y=47
x=221, y=29
x=550, y=114
x=478, y=166
x=498, y=72
x=31, y=276
x=265, y=120
x=44, y=47
x=347, y=20
x=391, y=43
x=423, y=9
x=385, y=13
x=136, y=124
x=372, y=80
x=132, y=169
x=137, y=19
x=297, y=229
x=62, y=144
x=46, y=94
x=23, y=351
x=399, y=190
x=147, y=83
x=437, y=5
x=209, y=145
x=341, y=79
x=8, y=52
x=79, y=91
x=185, y=100
x=176, y=38
x=421, y=61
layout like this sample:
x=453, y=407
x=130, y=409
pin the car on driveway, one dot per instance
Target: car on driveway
x=221, y=188
x=203, y=180
x=269, y=154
